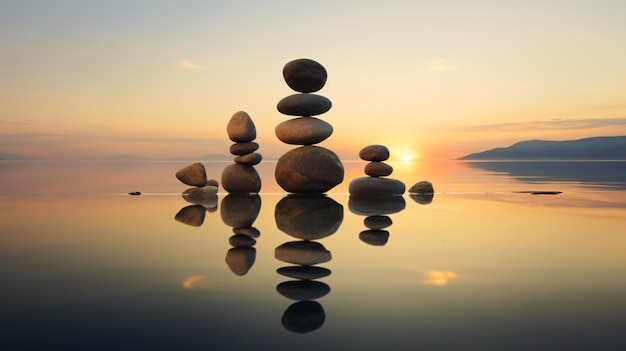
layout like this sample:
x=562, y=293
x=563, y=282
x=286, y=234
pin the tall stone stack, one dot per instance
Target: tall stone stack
x=375, y=185
x=242, y=177
x=308, y=168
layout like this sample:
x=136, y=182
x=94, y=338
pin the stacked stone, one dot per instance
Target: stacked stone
x=309, y=168
x=374, y=185
x=242, y=177
x=239, y=211
x=203, y=194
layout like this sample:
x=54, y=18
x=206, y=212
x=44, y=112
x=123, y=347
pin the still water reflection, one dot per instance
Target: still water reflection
x=482, y=265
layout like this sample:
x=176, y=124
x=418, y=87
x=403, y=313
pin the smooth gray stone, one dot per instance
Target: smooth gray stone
x=304, y=272
x=308, y=217
x=300, y=290
x=377, y=222
x=249, y=159
x=304, y=105
x=305, y=75
x=205, y=196
x=193, y=174
x=240, y=128
x=303, y=131
x=374, y=153
x=374, y=237
x=308, y=169
x=378, y=169
x=241, y=240
x=240, y=259
x=375, y=187
x=241, y=179
x=243, y=148
x=191, y=215
x=371, y=206
x=303, y=317
x=240, y=210
x=249, y=231
x=306, y=253
x=423, y=187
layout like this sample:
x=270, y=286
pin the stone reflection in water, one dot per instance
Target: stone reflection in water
x=307, y=218
x=376, y=210
x=240, y=211
x=204, y=199
x=191, y=215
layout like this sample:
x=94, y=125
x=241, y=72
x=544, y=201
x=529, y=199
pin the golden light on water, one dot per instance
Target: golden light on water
x=194, y=282
x=439, y=278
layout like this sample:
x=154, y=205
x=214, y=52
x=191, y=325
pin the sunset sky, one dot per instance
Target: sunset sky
x=429, y=79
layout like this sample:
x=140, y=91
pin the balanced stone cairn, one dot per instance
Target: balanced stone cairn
x=203, y=195
x=374, y=185
x=242, y=177
x=309, y=168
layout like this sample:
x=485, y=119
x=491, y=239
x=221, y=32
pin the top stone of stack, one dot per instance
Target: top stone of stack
x=304, y=75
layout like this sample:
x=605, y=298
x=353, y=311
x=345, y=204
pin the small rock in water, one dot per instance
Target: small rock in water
x=305, y=75
x=135, y=193
x=375, y=187
x=423, y=187
x=374, y=153
x=193, y=174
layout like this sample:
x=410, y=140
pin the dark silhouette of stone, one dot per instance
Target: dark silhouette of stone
x=304, y=105
x=422, y=187
x=306, y=253
x=308, y=217
x=239, y=210
x=241, y=240
x=303, y=317
x=377, y=222
x=240, y=149
x=191, y=215
x=422, y=199
x=212, y=182
x=303, y=289
x=249, y=159
x=378, y=169
x=375, y=187
x=241, y=179
x=375, y=237
x=304, y=272
x=304, y=75
x=374, y=153
x=249, y=231
x=193, y=174
x=308, y=169
x=205, y=196
x=240, y=259
x=364, y=206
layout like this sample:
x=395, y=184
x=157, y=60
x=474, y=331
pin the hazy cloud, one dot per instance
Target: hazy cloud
x=439, y=65
x=190, y=65
x=551, y=124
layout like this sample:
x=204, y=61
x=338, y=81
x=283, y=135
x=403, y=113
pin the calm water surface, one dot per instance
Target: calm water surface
x=484, y=265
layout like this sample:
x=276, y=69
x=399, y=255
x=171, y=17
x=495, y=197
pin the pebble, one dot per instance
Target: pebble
x=303, y=131
x=249, y=231
x=378, y=169
x=191, y=215
x=241, y=179
x=240, y=128
x=249, y=159
x=193, y=174
x=374, y=153
x=205, y=196
x=241, y=240
x=304, y=272
x=301, y=290
x=306, y=253
x=303, y=317
x=377, y=222
x=239, y=210
x=243, y=148
x=240, y=259
x=304, y=105
x=374, y=237
x=422, y=187
x=308, y=217
x=370, y=206
x=308, y=169
x=375, y=187
x=304, y=75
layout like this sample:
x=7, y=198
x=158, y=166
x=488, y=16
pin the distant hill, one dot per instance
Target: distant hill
x=207, y=157
x=596, y=148
x=124, y=157
x=13, y=157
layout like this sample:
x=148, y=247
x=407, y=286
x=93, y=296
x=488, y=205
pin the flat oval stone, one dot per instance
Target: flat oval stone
x=304, y=105
x=303, y=131
x=249, y=231
x=377, y=222
x=240, y=128
x=241, y=179
x=374, y=153
x=375, y=187
x=240, y=210
x=249, y=159
x=423, y=187
x=303, y=317
x=305, y=75
x=378, y=169
x=300, y=290
x=240, y=259
x=205, y=196
x=370, y=206
x=191, y=215
x=304, y=272
x=193, y=174
x=374, y=237
x=308, y=217
x=308, y=169
x=241, y=240
x=306, y=253
x=243, y=148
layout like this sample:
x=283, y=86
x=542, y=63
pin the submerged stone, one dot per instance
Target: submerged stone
x=308, y=217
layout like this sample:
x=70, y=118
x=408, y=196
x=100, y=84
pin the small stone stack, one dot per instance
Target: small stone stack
x=306, y=169
x=239, y=211
x=374, y=185
x=242, y=177
x=203, y=194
